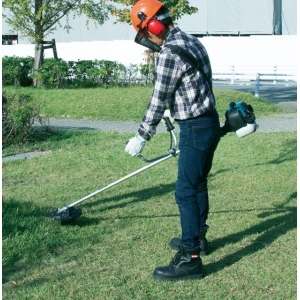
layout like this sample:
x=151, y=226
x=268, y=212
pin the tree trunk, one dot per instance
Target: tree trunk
x=38, y=60
x=39, y=36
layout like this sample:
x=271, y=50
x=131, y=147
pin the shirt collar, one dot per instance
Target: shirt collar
x=170, y=34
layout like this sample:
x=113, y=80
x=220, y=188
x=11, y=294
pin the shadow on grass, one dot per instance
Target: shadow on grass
x=26, y=235
x=137, y=197
x=278, y=222
x=40, y=141
x=23, y=220
x=288, y=153
x=18, y=216
x=55, y=135
x=25, y=226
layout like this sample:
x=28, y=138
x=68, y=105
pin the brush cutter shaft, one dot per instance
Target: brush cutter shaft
x=152, y=162
x=118, y=181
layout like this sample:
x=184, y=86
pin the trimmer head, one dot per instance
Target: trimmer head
x=65, y=216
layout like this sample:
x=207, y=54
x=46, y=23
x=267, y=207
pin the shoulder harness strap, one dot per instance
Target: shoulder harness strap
x=189, y=58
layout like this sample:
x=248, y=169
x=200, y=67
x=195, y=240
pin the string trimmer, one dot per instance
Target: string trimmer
x=67, y=214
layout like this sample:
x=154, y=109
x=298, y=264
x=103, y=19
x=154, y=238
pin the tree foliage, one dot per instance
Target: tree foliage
x=35, y=19
x=177, y=8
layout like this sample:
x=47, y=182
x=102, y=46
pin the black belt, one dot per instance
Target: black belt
x=206, y=114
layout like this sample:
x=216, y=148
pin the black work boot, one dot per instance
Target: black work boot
x=175, y=243
x=186, y=264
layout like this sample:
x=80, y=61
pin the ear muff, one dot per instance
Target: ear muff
x=156, y=27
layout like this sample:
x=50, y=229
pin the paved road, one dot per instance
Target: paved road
x=278, y=123
x=283, y=96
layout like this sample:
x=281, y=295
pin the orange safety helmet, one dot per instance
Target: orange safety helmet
x=145, y=11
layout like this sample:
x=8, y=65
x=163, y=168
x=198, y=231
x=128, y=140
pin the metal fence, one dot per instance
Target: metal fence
x=278, y=76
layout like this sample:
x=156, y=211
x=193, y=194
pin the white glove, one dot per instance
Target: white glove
x=167, y=114
x=135, y=145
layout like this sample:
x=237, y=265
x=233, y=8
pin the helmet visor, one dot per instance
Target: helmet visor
x=142, y=40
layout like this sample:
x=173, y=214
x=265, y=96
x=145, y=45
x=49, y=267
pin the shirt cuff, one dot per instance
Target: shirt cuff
x=144, y=135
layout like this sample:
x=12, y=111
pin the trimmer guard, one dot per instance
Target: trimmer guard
x=65, y=216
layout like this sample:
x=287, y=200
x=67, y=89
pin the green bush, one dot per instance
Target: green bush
x=109, y=72
x=74, y=74
x=52, y=73
x=97, y=73
x=19, y=112
x=17, y=70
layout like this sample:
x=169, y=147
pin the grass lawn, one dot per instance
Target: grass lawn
x=111, y=251
x=124, y=103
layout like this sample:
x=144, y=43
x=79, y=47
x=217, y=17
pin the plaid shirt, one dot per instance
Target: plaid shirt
x=178, y=84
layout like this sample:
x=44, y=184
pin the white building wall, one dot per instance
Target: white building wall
x=217, y=17
x=254, y=53
x=289, y=17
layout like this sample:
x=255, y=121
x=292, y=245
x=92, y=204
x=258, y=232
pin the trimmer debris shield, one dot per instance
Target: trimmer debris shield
x=65, y=216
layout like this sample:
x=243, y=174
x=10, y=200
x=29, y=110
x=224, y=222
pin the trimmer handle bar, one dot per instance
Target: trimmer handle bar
x=173, y=149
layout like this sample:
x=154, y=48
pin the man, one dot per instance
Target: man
x=188, y=94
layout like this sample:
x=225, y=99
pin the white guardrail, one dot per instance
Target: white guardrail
x=261, y=77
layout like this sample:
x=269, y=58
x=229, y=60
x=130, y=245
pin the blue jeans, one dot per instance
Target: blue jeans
x=199, y=138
